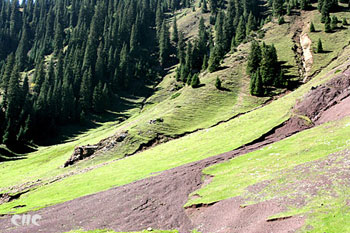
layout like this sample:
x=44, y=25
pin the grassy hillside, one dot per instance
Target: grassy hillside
x=279, y=166
x=333, y=43
x=183, y=110
x=196, y=146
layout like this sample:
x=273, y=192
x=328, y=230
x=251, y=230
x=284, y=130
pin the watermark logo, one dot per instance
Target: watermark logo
x=25, y=220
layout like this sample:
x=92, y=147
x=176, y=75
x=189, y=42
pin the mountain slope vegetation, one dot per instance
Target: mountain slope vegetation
x=187, y=116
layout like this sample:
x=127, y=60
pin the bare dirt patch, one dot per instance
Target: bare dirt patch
x=308, y=60
x=228, y=216
x=324, y=102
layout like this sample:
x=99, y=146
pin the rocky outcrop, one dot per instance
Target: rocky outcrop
x=83, y=152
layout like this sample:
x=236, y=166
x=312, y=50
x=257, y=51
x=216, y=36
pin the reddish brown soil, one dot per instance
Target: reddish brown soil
x=158, y=201
x=329, y=102
x=228, y=216
x=155, y=202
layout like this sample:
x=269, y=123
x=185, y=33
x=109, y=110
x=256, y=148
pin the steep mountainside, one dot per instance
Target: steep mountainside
x=221, y=116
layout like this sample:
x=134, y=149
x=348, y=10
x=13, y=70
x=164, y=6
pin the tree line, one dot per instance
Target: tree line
x=83, y=53
x=232, y=23
x=62, y=60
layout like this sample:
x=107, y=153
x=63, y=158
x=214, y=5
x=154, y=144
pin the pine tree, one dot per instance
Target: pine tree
x=10, y=62
x=218, y=83
x=259, y=87
x=269, y=66
x=204, y=6
x=324, y=12
x=254, y=58
x=312, y=27
x=200, y=47
x=240, y=33
x=189, y=79
x=85, y=91
x=164, y=45
x=303, y=4
x=22, y=49
x=195, y=81
x=344, y=22
x=159, y=18
x=184, y=72
x=188, y=59
x=229, y=28
x=15, y=19
x=175, y=35
x=100, y=66
x=219, y=35
x=39, y=77
x=320, y=5
x=105, y=96
x=134, y=45
x=13, y=107
x=319, y=46
x=251, y=24
x=181, y=49
x=213, y=4
x=281, y=20
x=205, y=62
x=327, y=26
x=289, y=9
x=279, y=80
x=277, y=7
x=124, y=66
x=96, y=29
x=252, y=84
x=59, y=36
x=334, y=22
x=214, y=60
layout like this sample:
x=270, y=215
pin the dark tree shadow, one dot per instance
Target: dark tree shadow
x=199, y=86
x=118, y=112
x=311, y=8
x=341, y=8
x=221, y=68
x=7, y=155
x=293, y=84
x=224, y=89
x=325, y=52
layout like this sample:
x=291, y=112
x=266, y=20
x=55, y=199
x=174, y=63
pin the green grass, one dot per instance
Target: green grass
x=46, y=161
x=327, y=204
x=193, y=147
x=281, y=37
x=187, y=110
x=191, y=110
x=232, y=178
x=333, y=43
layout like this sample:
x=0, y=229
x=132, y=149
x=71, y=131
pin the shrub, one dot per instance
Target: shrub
x=195, y=81
x=319, y=46
x=312, y=27
x=218, y=83
x=281, y=21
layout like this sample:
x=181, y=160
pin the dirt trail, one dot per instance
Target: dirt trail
x=302, y=47
x=308, y=60
x=297, y=28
